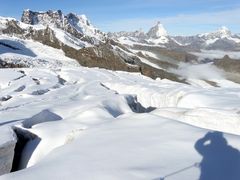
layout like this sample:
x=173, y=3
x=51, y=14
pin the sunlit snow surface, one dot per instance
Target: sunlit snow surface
x=33, y=54
x=89, y=131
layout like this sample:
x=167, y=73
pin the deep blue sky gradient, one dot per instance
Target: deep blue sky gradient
x=178, y=16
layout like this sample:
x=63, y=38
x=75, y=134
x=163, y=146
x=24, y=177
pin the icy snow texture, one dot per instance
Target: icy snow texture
x=7, y=145
x=85, y=120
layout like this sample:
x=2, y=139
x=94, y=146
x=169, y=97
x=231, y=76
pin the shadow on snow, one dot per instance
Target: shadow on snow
x=220, y=161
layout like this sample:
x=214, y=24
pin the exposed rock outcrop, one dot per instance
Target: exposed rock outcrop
x=228, y=64
x=102, y=56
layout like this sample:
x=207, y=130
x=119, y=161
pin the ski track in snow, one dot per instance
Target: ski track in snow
x=85, y=122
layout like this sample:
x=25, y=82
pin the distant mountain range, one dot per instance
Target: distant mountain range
x=222, y=39
x=152, y=53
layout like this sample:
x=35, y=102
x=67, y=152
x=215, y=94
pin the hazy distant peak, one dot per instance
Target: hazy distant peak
x=157, y=31
x=222, y=32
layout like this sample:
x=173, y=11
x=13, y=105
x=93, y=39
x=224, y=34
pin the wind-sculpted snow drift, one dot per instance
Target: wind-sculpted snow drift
x=90, y=123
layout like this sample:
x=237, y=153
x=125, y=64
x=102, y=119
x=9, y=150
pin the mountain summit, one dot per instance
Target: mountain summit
x=222, y=32
x=44, y=18
x=157, y=31
x=71, y=22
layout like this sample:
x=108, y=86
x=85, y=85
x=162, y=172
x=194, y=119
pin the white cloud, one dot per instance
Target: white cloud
x=222, y=17
x=199, y=71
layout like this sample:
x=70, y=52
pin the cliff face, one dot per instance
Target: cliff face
x=44, y=18
x=77, y=25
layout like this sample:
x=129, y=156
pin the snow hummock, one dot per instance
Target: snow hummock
x=70, y=40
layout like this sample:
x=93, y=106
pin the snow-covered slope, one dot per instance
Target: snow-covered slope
x=32, y=54
x=4, y=21
x=99, y=124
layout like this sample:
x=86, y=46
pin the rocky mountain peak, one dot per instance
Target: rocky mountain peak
x=54, y=18
x=157, y=31
x=45, y=18
x=74, y=19
x=77, y=25
x=80, y=23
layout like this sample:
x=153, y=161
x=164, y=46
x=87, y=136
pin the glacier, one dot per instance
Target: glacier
x=91, y=123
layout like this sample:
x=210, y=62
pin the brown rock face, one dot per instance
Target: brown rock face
x=228, y=64
x=102, y=56
x=168, y=54
x=45, y=36
x=12, y=28
x=155, y=73
x=4, y=64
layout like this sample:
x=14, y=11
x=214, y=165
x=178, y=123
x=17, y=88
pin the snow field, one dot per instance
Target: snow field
x=87, y=128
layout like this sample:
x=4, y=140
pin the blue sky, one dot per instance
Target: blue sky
x=178, y=16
